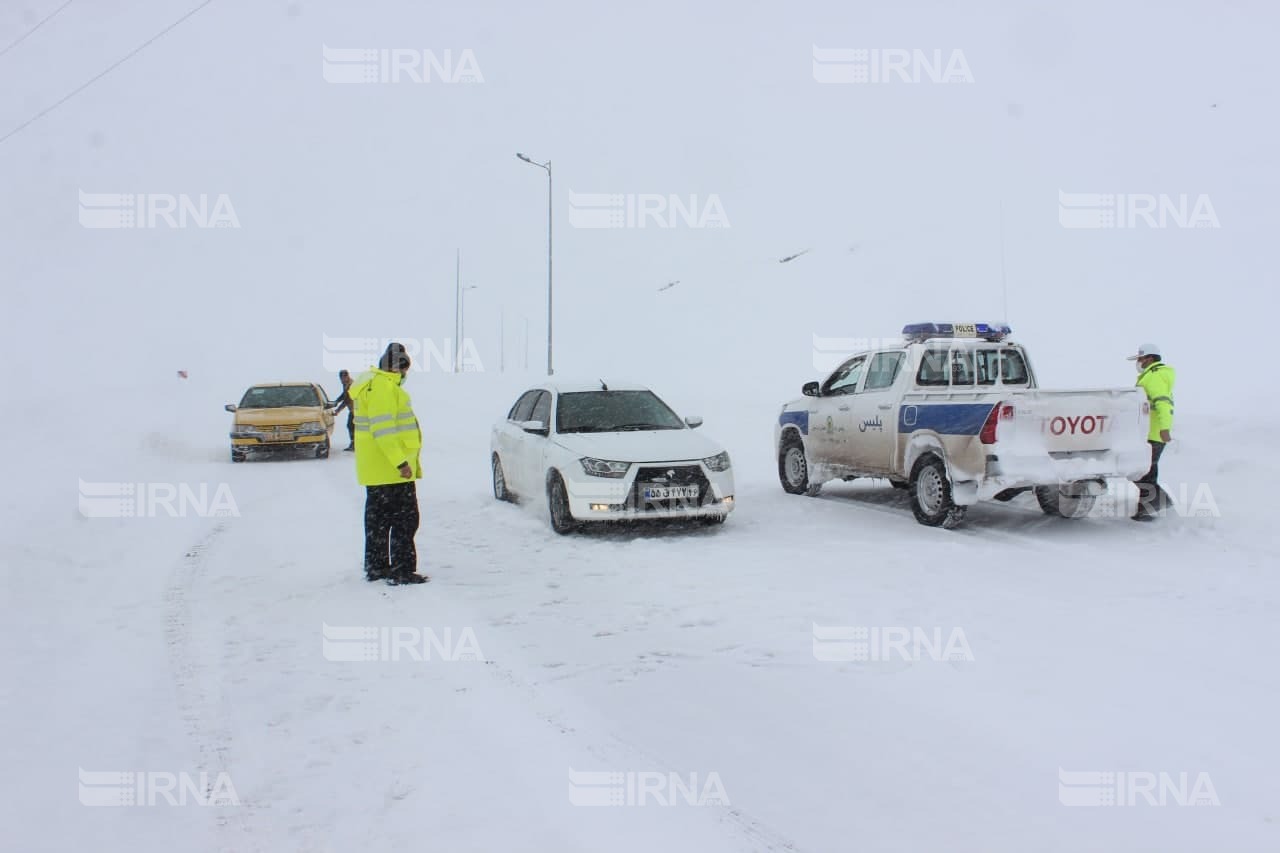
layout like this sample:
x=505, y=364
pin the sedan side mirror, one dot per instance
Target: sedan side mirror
x=693, y=422
x=809, y=389
x=230, y=407
x=535, y=427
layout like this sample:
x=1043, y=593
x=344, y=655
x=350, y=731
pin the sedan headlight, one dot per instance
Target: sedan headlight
x=717, y=463
x=604, y=468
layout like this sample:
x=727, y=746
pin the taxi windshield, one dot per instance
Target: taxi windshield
x=277, y=397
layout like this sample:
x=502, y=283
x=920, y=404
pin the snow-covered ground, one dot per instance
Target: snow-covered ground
x=724, y=658
x=192, y=644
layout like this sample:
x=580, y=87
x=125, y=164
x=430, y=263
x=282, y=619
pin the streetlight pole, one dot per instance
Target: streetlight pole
x=462, y=321
x=547, y=167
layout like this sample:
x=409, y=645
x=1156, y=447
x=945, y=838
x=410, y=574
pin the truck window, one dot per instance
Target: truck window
x=883, y=370
x=1013, y=367
x=933, y=368
x=846, y=377
x=988, y=366
x=961, y=367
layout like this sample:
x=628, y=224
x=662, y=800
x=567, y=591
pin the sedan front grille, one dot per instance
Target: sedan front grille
x=669, y=475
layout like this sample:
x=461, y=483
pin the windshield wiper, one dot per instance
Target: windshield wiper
x=640, y=427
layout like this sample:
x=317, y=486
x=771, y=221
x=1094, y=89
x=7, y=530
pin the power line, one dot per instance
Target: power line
x=23, y=37
x=130, y=55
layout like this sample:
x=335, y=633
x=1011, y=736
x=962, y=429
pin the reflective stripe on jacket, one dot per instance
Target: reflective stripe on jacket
x=387, y=431
x=1157, y=380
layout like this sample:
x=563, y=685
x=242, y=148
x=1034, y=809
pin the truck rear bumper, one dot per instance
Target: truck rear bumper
x=1082, y=473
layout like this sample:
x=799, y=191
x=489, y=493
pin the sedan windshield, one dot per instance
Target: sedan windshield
x=614, y=411
x=276, y=397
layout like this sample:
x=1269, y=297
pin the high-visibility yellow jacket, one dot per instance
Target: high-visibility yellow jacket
x=1157, y=381
x=387, y=432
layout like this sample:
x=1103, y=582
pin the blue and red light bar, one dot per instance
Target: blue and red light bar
x=984, y=331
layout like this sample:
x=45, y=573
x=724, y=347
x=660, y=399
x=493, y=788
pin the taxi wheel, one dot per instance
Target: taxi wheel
x=931, y=494
x=239, y=455
x=562, y=520
x=793, y=468
x=322, y=451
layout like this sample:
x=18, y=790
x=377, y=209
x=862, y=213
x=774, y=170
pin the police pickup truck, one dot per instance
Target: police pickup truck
x=954, y=415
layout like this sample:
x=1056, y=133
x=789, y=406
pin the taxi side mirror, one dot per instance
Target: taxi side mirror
x=230, y=407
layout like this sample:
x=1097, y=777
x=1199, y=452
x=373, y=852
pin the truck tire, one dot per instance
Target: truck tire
x=793, y=468
x=931, y=494
x=1054, y=502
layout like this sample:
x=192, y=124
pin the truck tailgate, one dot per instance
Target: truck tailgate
x=1086, y=432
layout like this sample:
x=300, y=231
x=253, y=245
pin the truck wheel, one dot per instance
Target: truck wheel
x=500, y=490
x=793, y=468
x=1054, y=502
x=931, y=494
x=562, y=520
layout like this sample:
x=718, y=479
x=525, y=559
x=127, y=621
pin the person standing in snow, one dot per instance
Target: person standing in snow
x=388, y=442
x=344, y=402
x=1156, y=378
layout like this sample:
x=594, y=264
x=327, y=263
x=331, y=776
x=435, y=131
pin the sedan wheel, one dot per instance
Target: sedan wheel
x=500, y=490
x=562, y=520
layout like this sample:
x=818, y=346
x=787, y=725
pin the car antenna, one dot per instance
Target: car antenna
x=603, y=386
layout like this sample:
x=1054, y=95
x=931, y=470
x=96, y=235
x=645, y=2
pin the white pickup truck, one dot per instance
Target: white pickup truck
x=954, y=414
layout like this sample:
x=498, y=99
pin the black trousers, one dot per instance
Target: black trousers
x=1151, y=496
x=390, y=523
x=351, y=427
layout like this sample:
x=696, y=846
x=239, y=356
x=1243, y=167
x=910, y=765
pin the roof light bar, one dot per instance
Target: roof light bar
x=915, y=332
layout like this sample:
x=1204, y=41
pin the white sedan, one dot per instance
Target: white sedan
x=608, y=453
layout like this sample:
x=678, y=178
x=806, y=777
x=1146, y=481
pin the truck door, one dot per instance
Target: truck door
x=874, y=422
x=831, y=414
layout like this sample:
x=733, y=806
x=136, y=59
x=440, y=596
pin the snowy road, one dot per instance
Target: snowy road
x=196, y=644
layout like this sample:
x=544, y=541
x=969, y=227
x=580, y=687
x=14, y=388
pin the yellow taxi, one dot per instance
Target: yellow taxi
x=278, y=415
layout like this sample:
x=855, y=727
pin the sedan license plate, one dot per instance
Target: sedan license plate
x=670, y=493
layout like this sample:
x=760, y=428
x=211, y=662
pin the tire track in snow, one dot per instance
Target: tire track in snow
x=604, y=744
x=204, y=711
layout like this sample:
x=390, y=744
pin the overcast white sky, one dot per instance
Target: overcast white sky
x=352, y=199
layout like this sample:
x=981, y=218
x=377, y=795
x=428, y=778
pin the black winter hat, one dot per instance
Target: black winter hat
x=395, y=358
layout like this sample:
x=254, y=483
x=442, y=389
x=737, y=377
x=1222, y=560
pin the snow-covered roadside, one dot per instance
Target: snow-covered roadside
x=196, y=644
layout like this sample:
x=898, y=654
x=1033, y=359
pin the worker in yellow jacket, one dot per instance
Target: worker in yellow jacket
x=388, y=443
x=1156, y=378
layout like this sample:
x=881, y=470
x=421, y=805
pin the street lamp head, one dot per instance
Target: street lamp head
x=522, y=157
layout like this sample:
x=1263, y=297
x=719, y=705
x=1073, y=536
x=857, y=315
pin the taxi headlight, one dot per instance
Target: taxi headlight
x=311, y=428
x=245, y=429
x=717, y=463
